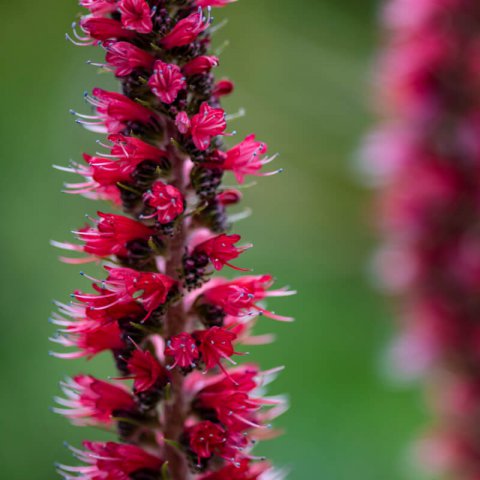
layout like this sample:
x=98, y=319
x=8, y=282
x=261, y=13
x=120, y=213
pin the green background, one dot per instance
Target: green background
x=301, y=69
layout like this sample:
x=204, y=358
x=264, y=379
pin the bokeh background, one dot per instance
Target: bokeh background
x=302, y=74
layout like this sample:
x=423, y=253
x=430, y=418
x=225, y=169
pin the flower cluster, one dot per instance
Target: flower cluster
x=426, y=155
x=181, y=405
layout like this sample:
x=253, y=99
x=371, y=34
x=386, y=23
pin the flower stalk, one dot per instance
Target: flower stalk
x=426, y=157
x=182, y=406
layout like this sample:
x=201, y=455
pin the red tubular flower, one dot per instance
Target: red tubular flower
x=206, y=438
x=246, y=159
x=181, y=411
x=426, y=157
x=167, y=80
x=90, y=400
x=110, y=236
x=126, y=58
x=222, y=88
x=185, y=31
x=239, y=297
x=199, y=65
x=101, y=29
x=146, y=371
x=136, y=15
x=183, y=349
x=206, y=124
x=167, y=201
x=99, y=7
x=213, y=3
x=111, y=461
x=215, y=345
x=221, y=249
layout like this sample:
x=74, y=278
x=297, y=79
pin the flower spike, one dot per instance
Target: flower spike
x=182, y=407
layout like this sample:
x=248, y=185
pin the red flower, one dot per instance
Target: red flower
x=185, y=31
x=114, y=112
x=208, y=123
x=246, y=159
x=123, y=285
x=90, y=400
x=167, y=201
x=200, y=65
x=90, y=338
x=242, y=470
x=167, y=80
x=183, y=349
x=126, y=58
x=215, y=345
x=111, y=461
x=229, y=197
x=239, y=297
x=102, y=29
x=223, y=87
x=109, y=237
x=136, y=15
x=221, y=249
x=99, y=7
x=146, y=371
x=206, y=438
x=213, y=3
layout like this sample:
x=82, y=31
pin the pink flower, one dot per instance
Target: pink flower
x=208, y=123
x=114, y=112
x=215, y=345
x=239, y=297
x=182, y=122
x=167, y=201
x=229, y=197
x=242, y=470
x=223, y=87
x=246, y=159
x=213, y=3
x=126, y=58
x=136, y=15
x=90, y=400
x=110, y=236
x=221, y=249
x=200, y=65
x=185, y=31
x=134, y=150
x=102, y=29
x=146, y=371
x=183, y=349
x=90, y=340
x=123, y=285
x=167, y=80
x=111, y=461
x=99, y=7
x=206, y=439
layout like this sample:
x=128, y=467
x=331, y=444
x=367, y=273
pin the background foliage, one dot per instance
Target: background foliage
x=301, y=69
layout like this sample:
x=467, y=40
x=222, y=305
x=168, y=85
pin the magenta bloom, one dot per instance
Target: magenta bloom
x=185, y=31
x=114, y=112
x=90, y=400
x=183, y=349
x=111, y=461
x=179, y=404
x=200, y=65
x=166, y=200
x=221, y=249
x=136, y=15
x=125, y=58
x=167, y=80
x=208, y=123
